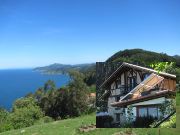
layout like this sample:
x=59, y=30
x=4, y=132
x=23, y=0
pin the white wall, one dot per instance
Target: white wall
x=134, y=112
x=122, y=79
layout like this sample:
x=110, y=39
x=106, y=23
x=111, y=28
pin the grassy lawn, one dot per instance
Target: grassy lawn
x=178, y=99
x=63, y=127
x=70, y=127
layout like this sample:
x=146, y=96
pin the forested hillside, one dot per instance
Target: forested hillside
x=142, y=57
x=62, y=68
x=134, y=56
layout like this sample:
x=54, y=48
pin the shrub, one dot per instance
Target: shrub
x=171, y=123
x=25, y=113
x=47, y=119
x=5, y=124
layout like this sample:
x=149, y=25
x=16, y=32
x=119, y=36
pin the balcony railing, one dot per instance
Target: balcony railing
x=123, y=89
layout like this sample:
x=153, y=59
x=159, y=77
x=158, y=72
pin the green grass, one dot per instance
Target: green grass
x=62, y=127
x=70, y=127
x=178, y=99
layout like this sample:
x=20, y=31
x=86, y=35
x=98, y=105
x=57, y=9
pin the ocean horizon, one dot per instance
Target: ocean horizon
x=17, y=83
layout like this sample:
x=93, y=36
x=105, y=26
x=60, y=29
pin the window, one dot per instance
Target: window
x=117, y=99
x=145, y=76
x=132, y=82
x=148, y=111
x=153, y=111
x=142, y=112
x=117, y=116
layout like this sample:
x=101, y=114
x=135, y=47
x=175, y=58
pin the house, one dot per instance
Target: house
x=142, y=88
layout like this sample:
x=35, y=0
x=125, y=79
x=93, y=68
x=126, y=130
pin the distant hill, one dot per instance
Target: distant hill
x=142, y=57
x=63, y=69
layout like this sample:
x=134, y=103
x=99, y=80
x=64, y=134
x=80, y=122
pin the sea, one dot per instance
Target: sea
x=16, y=83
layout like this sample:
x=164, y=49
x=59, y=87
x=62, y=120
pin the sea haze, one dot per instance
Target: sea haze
x=17, y=83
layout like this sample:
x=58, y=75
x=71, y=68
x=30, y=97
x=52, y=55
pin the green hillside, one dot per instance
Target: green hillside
x=142, y=57
x=71, y=127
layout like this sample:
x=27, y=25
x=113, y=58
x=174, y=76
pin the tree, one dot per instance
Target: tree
x=38, y=95
x=25, y=113
x=78, y=100
x=23, y=102
x=167, y=107
x=5, y=124
x=168, y=67
x=49, y=86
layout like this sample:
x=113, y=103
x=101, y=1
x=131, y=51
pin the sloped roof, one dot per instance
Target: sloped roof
x=134, y=95
x=143, y=98
x=148, y=70
x=145, y=85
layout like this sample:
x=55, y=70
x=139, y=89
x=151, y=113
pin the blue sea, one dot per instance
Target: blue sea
x=17, y=83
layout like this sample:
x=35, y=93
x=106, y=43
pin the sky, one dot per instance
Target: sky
x=41, y=32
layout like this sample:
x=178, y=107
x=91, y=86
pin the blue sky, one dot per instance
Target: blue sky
x=41, y=32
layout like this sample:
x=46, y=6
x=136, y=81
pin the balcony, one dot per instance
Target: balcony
x=122, y=90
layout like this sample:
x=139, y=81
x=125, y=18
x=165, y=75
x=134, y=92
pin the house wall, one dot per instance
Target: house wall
x=138, y=79
x=113, y=85
x=111, y=110
x=146, y=103
x=122, y=79
x=133, y=111
x=169, y=84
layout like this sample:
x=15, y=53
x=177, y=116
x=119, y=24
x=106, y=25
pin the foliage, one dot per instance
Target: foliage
x=25, y=113
x=23, y=102
x=92, y=88
x=167, y=107
x=69, y=101
x=171, y=123
x=141, y=57
x=78, y=94
x=130, y=115
x=178, y=99
x=4, y=121
x=129, y=118
x=168, y=67
x=90, y=75
x=47, y=119
x=49, y=86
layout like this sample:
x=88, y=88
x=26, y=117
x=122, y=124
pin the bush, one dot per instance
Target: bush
x=5, y=124
x=171, y=123
x=47, y=119
x=25, y=113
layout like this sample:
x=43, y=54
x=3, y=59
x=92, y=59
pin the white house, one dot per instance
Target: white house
x=143, y=88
